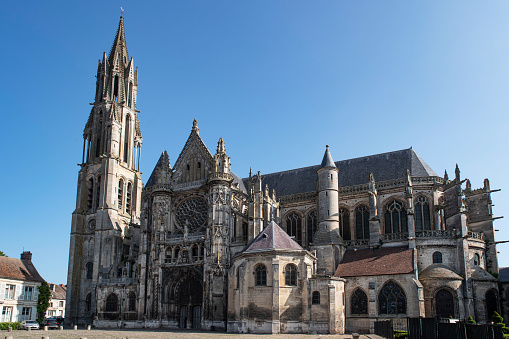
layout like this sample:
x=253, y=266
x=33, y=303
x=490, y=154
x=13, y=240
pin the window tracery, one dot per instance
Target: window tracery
x=391, y=299
x=291, y=275
x=422, y=214
x=344, y=223
x=261, y=275
x=395, y=218
x=359, y=302
x=193, y=213
x=294, y=227
x=315, y=298
x=362, y=222
x=112, y=303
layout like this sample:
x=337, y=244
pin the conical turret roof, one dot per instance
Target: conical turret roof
x=327, y=159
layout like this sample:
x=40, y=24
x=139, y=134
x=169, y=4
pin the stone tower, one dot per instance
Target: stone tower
x=327, y=240
x=109, y=186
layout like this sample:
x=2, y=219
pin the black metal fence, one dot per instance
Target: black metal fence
x=433, y=328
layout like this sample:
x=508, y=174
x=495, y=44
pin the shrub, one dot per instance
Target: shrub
x=400, y=334
x=505, y=330
x=497, y=319
x=470, y=320
x=5, y=326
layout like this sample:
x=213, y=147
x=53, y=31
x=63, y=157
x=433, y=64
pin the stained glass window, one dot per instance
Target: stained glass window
x=261, y=275
x=193, y=213
x=437, y=258
x=315, y=299
x=359, y=302
x=422, y=215
x=344, y=223
x=291, y=275
x=362, y=222
x=293, y=227
x=391, y=299
x=395, y=218
x=112, y=303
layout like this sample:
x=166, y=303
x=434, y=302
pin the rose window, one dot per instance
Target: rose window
x=193, y=213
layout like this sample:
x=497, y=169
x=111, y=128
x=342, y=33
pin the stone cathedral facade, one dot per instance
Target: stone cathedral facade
x=327, y=248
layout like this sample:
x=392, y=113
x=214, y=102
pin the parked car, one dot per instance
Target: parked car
x=26, y=324
x=50, y=323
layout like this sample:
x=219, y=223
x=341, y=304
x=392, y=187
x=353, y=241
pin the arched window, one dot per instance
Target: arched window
x=344, y=223
x=491, y=304
x=311, y=225
x=362, y=222
x=238, y=277
x=89, y=267
x=391, y=299
x=132, y=302
x=98, y=138
x=127, y=138
x=477, y=259
x=315, y=298
x=261, y=275
x=395, y=218
x=444, y=304
x=129, y=197
x=177, y=253
x=422, y=215
x=120, y=194
x=293, y=227
x=112, y=303
x=291, y=275
x=359, y=302
x=115, y=88
x=88, y=303
x=437, y=258
x=98, y=192
x=90, y=193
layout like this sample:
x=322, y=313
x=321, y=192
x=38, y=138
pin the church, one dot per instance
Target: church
x=329, y=248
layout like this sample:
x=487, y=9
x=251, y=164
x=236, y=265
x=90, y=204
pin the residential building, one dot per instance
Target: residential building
x=57, y=302
x=19, y=280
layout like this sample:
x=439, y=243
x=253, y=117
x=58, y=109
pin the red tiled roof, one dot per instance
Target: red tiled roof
x=272, y=237
x=58, y=291
x=381, y=261
x=18, y=269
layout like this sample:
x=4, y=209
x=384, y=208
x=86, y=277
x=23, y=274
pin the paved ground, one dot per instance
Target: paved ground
x=153, y=334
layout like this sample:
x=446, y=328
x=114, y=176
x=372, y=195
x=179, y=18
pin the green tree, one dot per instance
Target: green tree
x=43, y=300
x=497, y=319
x=2, y=254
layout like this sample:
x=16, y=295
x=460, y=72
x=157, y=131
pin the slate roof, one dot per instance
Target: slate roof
x=385, y=166
x=58, y=291
x=163, y=161
x=381, y=261
x=439, y=271
x=18, y=269
x=327, y=159
x=272, y=238
x=503, y=274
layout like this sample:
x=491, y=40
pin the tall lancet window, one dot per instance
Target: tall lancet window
x=129, y=198
x=311, y=225
x=422, y=215
x=98, y=192
x=98, y=137
x=362, y=222
x=115, y=88
x=293, y=227
x=90, y=195
x=127, y=138
x=344, y=223
x=120, y=194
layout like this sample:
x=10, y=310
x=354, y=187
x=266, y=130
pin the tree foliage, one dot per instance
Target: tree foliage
x=2, y=254
x=43, y=300
x=497, y=319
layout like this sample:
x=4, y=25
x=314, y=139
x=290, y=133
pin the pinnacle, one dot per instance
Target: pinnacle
x=119, y=44
x=327, y=159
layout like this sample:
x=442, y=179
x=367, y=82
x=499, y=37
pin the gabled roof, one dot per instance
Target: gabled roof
x=58, y=291
x=385, y=166
x=18, y=269
x=381, y=261
x=272, y=238
x=194, y=138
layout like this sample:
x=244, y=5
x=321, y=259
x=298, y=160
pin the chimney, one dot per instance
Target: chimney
x=26, y=255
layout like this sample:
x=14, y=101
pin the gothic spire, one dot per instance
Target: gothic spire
x=119, y=46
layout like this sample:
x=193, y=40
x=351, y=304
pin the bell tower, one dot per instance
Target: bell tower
x=109, y=186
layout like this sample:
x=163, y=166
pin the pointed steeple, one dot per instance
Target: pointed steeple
x=327, y=159
x=457, y=173
x=220, y=147
x=446, y=176
x=119, y=44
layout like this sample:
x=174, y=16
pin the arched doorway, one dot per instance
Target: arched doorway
x=189, y=297
x=444, y=304
x=491, y=304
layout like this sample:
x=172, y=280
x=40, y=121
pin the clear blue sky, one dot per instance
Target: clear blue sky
x=278, y=80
